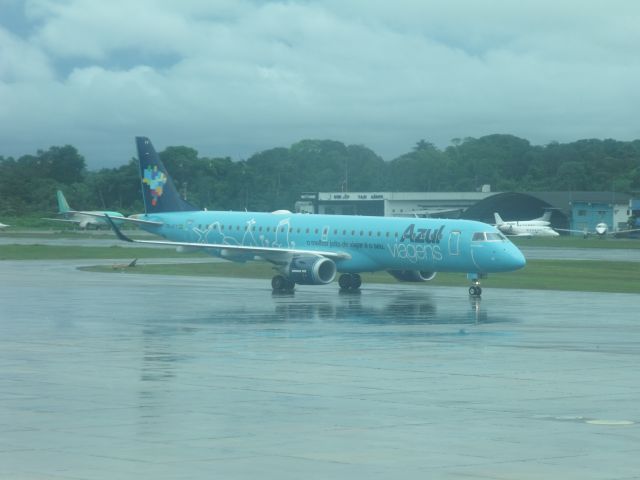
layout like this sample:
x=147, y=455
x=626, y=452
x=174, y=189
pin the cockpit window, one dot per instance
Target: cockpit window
x=494, y=237
x=488, y=237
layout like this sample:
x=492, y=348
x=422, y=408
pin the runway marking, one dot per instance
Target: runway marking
x=610, y=422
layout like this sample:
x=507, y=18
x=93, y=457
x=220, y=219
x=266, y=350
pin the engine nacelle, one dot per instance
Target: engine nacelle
x=312, y=270
x=412, y=275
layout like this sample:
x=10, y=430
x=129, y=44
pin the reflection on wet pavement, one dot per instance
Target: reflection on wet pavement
x=122, y=376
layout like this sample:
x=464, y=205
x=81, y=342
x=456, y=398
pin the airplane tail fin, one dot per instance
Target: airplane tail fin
x=546, y=217
x=158, y=190
x=499, y=220
x=63, y=206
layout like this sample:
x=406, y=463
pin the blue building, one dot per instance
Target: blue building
x=586, y=215
x=634, y=211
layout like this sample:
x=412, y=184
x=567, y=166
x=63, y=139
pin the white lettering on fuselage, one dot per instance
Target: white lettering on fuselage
x=414, y=245
x=416, y=252
x=418, y=245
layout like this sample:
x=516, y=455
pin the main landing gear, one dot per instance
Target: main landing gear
x=349, y=282
x=281, y=284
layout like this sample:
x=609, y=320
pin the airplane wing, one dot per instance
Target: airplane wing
x=60, y=220
x=272, y=254
x=584, y=232
x=124, y=219
x=625, y=231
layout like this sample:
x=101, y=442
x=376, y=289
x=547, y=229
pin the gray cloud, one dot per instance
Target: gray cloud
x=235, y=77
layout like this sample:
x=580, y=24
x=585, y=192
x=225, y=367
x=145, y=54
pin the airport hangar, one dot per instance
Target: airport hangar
x=570, y=210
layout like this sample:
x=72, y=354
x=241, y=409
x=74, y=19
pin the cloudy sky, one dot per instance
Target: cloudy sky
x=234, y=77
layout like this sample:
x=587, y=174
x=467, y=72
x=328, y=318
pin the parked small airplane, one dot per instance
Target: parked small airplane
x=311, y=249
x=601, y=230
x=84, y=219
x=539, y=227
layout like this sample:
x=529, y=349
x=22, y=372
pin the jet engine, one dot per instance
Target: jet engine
x=312, y=270
x=412, y=275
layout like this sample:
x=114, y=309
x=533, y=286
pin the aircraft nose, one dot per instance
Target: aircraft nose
x=517, y=259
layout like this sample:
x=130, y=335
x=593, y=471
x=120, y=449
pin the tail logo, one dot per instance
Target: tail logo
x=155, y=180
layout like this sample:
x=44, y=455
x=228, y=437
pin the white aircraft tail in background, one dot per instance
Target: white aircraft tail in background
x=85, y=219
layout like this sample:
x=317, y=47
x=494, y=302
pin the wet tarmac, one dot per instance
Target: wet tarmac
x=109, y=376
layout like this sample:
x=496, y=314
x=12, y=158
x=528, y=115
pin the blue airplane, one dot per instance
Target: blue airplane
x=311, y=249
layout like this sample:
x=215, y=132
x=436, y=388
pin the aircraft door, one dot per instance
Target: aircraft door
x=454, y=242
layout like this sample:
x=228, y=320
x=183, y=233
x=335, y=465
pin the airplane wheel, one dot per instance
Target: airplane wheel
x=345, y=281
x=290, y=285
x=475, y=291
x=278, y=282
x=349, y=281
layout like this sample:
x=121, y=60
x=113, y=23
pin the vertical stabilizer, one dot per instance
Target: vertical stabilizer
x=499, y=220
x=63, y=206
x=546, y=217
x=158, y=190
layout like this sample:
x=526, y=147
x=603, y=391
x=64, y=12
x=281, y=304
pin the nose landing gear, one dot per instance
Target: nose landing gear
x=475, y=290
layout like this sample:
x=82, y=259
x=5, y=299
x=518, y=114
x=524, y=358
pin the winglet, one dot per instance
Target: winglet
x=117, y=231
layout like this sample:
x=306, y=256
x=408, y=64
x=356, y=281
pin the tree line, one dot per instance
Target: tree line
x=274, y=179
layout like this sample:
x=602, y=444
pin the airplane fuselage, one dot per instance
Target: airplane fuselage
x=371, y=243
x=529, y=229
